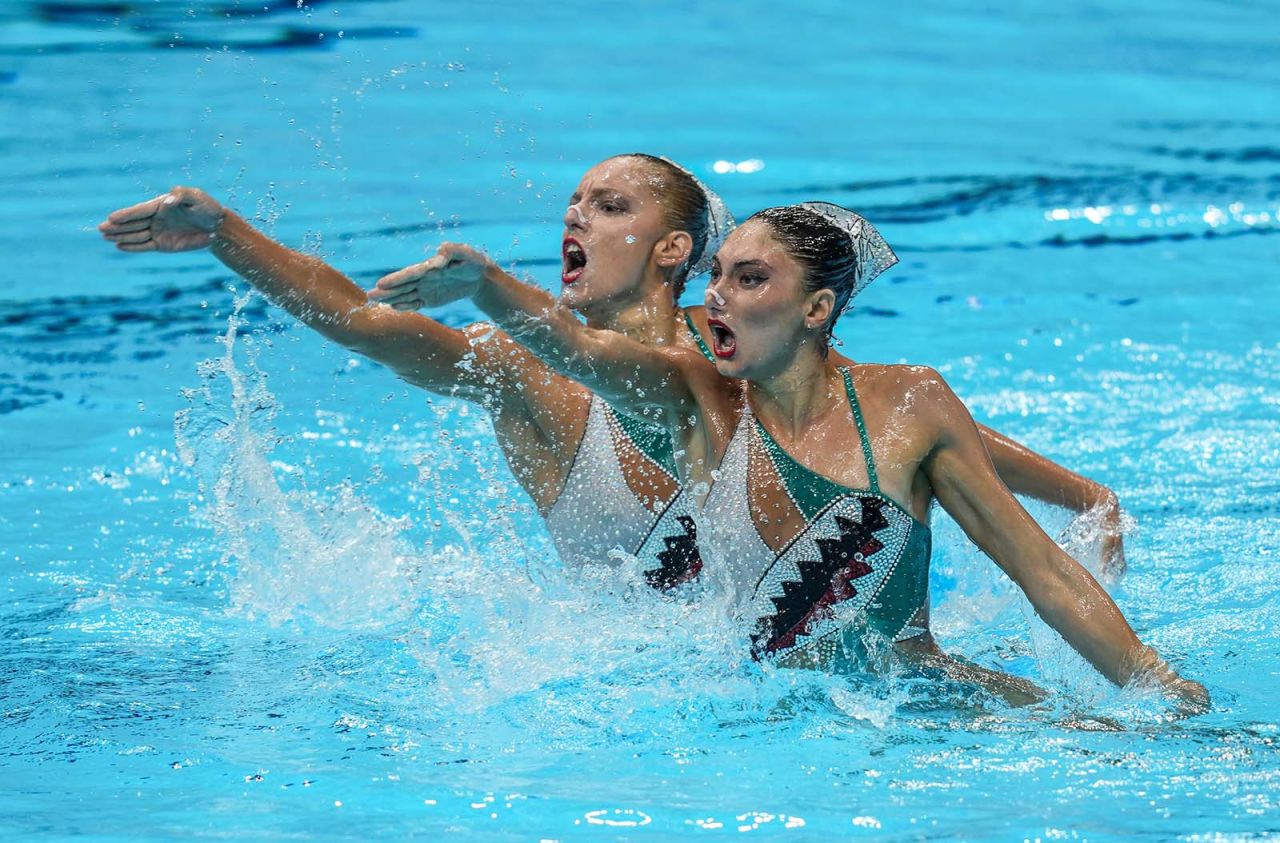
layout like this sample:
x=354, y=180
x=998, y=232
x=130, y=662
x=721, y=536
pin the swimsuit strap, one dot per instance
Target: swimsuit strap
x=702, y=345
x=862, y=430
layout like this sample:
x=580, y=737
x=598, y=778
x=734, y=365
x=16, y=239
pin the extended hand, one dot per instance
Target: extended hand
x=1190, y=698
x=178, y=221
x=453, y=273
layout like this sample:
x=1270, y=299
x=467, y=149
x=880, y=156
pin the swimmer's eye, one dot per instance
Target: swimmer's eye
x=715, y=271
x=751, y=279
x=610, y=207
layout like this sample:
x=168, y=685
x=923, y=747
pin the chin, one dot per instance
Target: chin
x=732, y=368
x=576, y=295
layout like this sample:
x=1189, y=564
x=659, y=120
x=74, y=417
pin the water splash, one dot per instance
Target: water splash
x=290, y=555
x=488, y=627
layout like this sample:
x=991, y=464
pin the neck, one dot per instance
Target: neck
x=792, y=400
x=649, y=317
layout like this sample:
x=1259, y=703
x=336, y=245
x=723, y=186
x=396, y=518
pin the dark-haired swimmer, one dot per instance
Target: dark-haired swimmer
x=635, y=228
x=815, y=475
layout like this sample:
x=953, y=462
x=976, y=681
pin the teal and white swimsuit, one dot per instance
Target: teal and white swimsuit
x=598, y=515
x=860, y=561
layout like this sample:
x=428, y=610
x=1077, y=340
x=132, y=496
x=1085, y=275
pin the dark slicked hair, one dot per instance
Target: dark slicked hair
x=830, y=260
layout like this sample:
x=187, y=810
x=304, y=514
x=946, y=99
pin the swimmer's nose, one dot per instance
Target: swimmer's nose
x=713, y=300
x=573, y=217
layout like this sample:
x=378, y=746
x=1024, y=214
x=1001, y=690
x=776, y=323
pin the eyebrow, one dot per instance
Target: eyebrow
x=751, y=264
x=596, y=193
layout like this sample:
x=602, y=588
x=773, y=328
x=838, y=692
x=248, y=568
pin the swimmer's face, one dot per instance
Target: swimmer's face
x=758, y=309
x=614, y=230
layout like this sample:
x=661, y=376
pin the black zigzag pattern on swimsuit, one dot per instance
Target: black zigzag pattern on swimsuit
x=824, y=579
x=680, y=562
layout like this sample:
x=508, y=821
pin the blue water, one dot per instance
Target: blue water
x=255, y=588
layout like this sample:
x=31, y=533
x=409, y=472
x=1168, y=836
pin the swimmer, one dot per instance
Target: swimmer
x=599, y=479
x=637, y=227
x=815, y=475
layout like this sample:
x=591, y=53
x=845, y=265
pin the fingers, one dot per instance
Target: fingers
x=111, y=229
x=130, y=238
x=1114, y=563
x=378, y=293
x=1189, y=697
x=390, y=283
x=408, y=275
x=407, y=278
x=149, y=246
x=403, y=288
x=398, y=297
x=133, y=213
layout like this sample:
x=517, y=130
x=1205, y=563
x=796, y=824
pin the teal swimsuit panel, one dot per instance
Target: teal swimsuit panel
x=654, y=440
x=906, y=588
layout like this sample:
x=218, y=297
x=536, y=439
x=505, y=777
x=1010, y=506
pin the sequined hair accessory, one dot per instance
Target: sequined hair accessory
x=719, y=223
x=873, y=255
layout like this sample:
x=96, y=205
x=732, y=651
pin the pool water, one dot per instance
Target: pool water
x=257, y=588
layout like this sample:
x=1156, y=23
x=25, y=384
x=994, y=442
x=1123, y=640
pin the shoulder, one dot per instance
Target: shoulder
x=913, y=384
x=920, y=393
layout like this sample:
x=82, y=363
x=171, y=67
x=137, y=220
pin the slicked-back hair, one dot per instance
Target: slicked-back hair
x=684, y=207
x=826, y=253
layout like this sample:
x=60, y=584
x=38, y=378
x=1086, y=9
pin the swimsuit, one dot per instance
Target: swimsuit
x=597, y=512
x=860, y=560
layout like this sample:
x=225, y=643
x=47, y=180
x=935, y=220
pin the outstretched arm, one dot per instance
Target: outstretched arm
x=636, y=378
x=418, y=349
x=1028, y=473
x=1063, y=593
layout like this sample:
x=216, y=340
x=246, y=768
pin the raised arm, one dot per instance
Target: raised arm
x=636, y=378
x=418, y=349
x=1063, y=593
x=1028, y=473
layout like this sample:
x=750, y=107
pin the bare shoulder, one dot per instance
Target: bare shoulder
x=902, y=381
x=918, y=392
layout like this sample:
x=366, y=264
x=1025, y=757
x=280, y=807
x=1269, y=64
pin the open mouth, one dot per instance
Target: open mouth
x=573, y=260
x=723, y=342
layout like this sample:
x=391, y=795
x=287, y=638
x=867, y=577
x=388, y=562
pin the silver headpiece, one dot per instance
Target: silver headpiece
x=873, y=254
x=719, y=222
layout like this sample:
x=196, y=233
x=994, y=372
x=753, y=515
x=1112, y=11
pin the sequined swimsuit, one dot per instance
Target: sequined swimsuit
x=859, y=561
x=597, y=514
